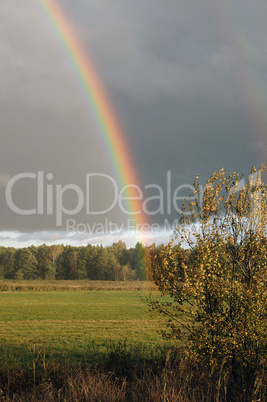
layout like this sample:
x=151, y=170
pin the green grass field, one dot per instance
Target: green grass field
x=74, y=324
x=96, y=345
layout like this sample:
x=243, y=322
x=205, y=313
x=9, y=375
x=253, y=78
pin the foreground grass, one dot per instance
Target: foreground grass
x=126, y=376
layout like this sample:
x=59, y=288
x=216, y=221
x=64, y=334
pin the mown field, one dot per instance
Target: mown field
x=74, y=324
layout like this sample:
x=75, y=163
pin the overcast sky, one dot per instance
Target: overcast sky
x=187, y=80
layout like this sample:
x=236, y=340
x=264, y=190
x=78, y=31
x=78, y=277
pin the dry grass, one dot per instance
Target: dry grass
x=43, y=285
x=179, y=383
x=169, y=377
x=79, y=385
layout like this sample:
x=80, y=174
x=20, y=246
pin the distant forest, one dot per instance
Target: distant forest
x=113, y=263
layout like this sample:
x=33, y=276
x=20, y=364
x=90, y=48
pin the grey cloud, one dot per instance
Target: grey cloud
x=186, y=78
x=4, y=179
x=21, y=239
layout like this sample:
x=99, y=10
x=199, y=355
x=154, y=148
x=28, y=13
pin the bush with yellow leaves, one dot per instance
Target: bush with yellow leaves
x=213, y=279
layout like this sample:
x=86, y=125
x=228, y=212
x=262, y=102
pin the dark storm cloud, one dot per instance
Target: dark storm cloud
x=187, y=79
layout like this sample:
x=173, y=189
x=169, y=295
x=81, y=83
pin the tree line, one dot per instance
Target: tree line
x=114, y=263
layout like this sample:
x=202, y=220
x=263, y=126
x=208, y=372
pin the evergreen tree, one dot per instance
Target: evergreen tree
x=26, y=263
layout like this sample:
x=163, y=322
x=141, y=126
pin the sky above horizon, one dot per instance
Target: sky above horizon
x=187, y=81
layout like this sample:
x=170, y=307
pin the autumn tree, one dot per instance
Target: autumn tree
x=215, y=293
x=55, y=251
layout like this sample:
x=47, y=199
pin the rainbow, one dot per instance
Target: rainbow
x=98, y=104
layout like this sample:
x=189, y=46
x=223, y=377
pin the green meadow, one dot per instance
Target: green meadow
x=74, y=324
x=95, y=343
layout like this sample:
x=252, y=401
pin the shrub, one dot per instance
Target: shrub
x=217, y=292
